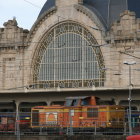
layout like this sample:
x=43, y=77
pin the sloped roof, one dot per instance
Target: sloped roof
x=107, y=10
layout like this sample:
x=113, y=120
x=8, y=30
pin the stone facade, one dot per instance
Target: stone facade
x=123, y=38
x=12, y=49
x=18, y=47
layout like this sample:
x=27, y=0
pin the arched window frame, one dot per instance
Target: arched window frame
x=69, y=27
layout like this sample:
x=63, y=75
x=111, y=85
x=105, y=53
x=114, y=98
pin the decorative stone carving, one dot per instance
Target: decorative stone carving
x=124, y=33
x=10, y=23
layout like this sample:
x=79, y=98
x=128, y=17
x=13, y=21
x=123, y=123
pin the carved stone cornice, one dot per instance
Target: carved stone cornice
x=8, y=46
x=90, y=14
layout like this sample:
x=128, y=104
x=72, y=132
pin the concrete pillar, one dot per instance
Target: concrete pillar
x=117, y=101
x=17, y=109
x=17, y=129
x=48, y=103
x=138, y=107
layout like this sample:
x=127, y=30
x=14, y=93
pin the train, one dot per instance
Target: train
x=135, y=121
x=78, y=115
x=9, y=122
x=83, y=114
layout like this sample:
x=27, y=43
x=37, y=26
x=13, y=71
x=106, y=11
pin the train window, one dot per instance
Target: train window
x=6, y=110
x=68, y=102
x=85, y=102
x=25, y=109
x=72, y=102
x=92, y=112
x=35, y=118
x=11, y=120
x=4, y=120
x=98, y=100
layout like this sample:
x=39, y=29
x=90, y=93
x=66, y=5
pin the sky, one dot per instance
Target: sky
x=25, y=11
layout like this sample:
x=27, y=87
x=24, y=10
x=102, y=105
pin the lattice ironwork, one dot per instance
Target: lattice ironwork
x=67, y=58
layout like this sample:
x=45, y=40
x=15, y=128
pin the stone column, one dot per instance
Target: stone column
x=117, y=101
x=17, y=129
x=48, y=103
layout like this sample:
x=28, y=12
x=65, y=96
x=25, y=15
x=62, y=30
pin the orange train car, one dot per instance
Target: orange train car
x=79, y=114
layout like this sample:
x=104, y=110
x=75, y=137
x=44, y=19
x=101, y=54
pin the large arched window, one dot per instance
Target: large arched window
x=67, y=57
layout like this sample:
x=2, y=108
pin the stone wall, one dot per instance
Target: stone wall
x=124, y=40
x=18, y=46
x=12, y=48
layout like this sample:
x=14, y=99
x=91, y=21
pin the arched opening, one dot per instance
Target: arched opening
x=68, y=57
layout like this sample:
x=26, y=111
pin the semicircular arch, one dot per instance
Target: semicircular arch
x=68, y=56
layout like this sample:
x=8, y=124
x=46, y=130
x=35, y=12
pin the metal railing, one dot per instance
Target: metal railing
x=58, y=124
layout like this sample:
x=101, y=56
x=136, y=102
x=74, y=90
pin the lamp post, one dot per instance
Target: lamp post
x=130, y=92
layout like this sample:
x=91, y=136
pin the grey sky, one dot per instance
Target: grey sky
x=25, y=13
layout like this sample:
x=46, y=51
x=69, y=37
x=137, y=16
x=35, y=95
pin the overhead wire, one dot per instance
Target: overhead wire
x=22, y=61
x=32, y=4
x=112, y=54
x=42, y=42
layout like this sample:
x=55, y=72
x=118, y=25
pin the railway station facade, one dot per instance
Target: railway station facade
x=75, y=48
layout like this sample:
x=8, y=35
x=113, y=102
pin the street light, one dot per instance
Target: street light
x=130, y=90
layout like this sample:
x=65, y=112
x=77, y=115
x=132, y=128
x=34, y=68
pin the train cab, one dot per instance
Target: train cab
x=81, y=101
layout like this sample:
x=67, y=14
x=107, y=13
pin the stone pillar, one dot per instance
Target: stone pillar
x=17, y=129
x=117, y=101
x=48, y=103
x=138, y=107
x=17, y=103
